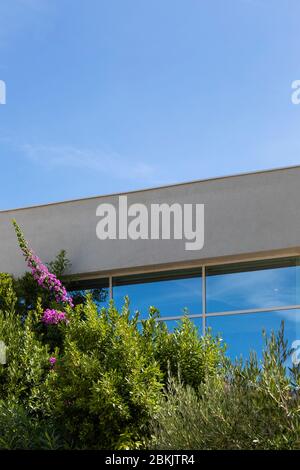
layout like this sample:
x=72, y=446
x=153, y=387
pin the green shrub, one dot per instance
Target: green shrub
x=250, y=406
x=184, y=351
x=108, y=379
x=113, y=381
x=8, y=297
x=27, y=361
x=108, y=382
x=19, y=430
x=105, y=386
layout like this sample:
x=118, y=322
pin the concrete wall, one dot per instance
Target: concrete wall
x=244, y=214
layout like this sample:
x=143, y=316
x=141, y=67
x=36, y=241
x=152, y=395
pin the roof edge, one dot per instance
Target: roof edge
x=171, y=185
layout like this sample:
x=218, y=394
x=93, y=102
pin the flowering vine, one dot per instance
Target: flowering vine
x=41, y=273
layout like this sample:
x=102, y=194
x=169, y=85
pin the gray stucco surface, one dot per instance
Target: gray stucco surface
x=243, y=214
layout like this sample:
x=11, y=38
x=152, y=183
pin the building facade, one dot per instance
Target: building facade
x=245, y=277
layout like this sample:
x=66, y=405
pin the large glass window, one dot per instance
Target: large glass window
x=242, y=333
x=99, y=288
x=170, y=292
x=265, y=289
x=247, y=286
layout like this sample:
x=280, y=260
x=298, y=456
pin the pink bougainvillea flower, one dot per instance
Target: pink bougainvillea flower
x=52, y=360
x=53, y=317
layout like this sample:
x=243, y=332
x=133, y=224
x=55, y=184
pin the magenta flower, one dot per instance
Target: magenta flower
x=41, y=273
x=52, y=360
x=53, y=317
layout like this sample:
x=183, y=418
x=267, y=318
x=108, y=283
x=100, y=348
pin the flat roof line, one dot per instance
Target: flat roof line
x=214, y=178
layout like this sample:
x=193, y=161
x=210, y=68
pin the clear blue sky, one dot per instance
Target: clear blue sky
x=112, y=95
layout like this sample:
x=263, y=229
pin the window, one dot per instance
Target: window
x=243, y=333
x=241, y=299
x=170, y=292
x=248, y=286
x=99, y=288
x=266, y=290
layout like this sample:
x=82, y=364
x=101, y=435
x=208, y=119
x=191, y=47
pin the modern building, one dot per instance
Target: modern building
x=244, y=279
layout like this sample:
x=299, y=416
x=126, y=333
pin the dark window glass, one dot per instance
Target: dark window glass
x=171, y=293
x=243, y=332
x=99, y=288
x=252, y=285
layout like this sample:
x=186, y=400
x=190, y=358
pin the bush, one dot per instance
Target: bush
x=19, y=430
x=250, y=406
x=105, y=386
x=184, y=351
x=8, y=296
x=113, y=382
x=27, y=360
x=106, y=381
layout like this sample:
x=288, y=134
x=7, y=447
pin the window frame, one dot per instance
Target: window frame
x=201, y=271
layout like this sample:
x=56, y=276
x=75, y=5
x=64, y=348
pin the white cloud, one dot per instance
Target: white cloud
x=255, y=289
x=85, y=159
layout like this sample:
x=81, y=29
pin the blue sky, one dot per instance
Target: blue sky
x=114, y=95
